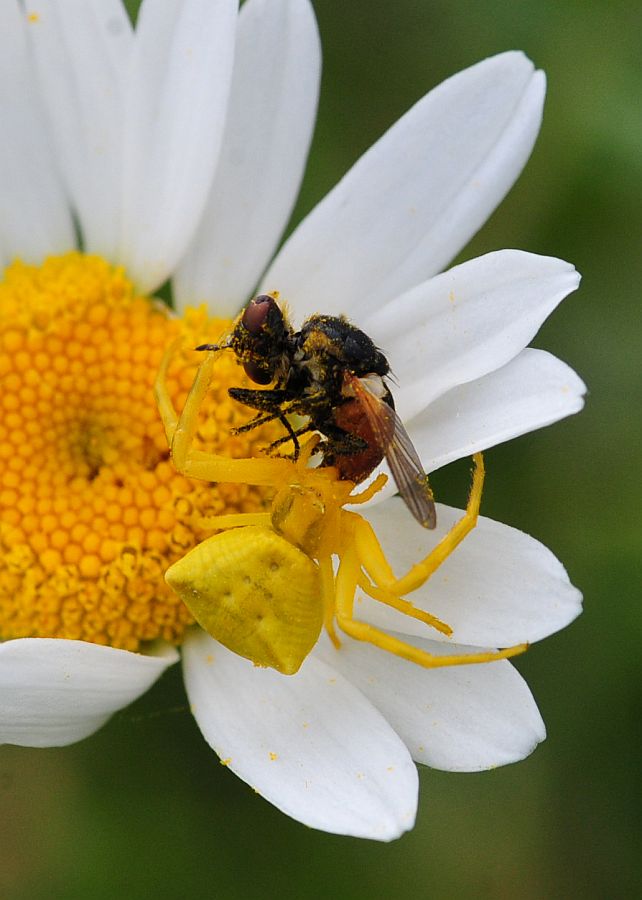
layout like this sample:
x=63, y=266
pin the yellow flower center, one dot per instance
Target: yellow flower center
x=92, y=511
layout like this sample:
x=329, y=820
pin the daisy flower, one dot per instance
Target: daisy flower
x=174, y=152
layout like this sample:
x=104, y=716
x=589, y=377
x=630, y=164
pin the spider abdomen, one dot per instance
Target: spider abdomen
x=255, y=592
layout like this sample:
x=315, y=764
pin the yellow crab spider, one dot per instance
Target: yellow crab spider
x=265, y=584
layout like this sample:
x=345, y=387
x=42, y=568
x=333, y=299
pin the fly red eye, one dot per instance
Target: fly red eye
x=256, y=374
x=256, y=313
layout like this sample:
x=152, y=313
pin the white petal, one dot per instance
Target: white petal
x=273, y=102
x=500, y=587
x=175, y=112
x=34, y=217
x=466, y=322
x=310, y=743
x=82, y=50
x=460, y=718
x=56, y=692
x=416, y=197
x=533, y=390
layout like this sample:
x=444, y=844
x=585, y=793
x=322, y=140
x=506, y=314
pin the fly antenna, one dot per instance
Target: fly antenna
x=224, y=346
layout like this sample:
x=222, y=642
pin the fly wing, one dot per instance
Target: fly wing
x=409, y=476
x=404, y=462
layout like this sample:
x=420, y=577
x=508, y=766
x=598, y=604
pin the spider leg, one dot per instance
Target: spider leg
x=371, y=490
x=422, y=571
x=327, y=585
x=168, y=414
x=402, y=606
x=346, y=584
x=385, y=588
x=377, y=565
x=180, y=431
x=235, y=520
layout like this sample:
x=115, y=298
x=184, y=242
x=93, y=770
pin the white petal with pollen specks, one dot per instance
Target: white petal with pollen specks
x=311, y=743
x=34, y=215
x=533, y=390
x=499, y=587
x=413, y=200
x=82, y=51
x=178, y=88
x=273, y=101
x=55, y=692
x=466, y=322
x=457, y=718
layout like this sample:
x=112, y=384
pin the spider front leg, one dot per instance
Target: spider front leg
x=181, y=428
x=369, y=548
x=347, y=579
x=365, y=556
x=345, y=589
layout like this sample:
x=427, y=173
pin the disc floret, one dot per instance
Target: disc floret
x=92, y=512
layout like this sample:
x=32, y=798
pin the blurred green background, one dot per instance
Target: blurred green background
x=144, y=809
